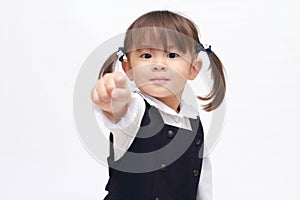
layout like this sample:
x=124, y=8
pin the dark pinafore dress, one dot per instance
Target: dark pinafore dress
x=162, y=163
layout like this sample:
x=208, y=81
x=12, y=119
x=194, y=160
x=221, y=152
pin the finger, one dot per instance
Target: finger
x=120, y=94
x=94, y=95
x=104, y=100
x=121, y=80
x=109, y=83
x=103, y=96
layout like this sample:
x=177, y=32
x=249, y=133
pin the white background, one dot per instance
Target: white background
x=43, y=45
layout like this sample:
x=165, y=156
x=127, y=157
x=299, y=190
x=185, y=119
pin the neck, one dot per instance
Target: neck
x=171, y=101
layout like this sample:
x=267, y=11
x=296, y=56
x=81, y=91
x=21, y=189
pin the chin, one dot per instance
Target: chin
x=157, y=91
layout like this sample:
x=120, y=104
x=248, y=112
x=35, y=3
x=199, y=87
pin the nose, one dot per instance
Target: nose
x=156, y=67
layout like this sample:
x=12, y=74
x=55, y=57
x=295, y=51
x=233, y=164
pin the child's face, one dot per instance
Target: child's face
x=161, y=73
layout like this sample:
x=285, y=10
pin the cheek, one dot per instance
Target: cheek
x=182, y=71
x=140, y=74
x=139, y=71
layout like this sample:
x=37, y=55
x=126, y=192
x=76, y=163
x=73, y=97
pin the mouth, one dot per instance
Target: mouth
x=159, y=80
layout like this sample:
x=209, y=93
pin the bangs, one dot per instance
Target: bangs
x=158, y=38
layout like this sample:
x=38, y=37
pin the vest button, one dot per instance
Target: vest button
x=157, y=198
x=163, y=167
x=195, y=172
x=198, y=141
x=170, y=133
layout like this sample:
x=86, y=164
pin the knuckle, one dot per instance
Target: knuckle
x=103, y=97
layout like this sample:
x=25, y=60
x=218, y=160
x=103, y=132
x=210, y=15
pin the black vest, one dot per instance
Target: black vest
x=163, y=162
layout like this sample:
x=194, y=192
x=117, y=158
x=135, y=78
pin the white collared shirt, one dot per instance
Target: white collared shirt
x=126, y=128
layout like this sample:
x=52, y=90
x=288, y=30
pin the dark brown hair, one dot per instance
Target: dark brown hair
x=178, y=29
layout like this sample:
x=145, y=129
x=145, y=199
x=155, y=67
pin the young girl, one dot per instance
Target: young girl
x=156, y=136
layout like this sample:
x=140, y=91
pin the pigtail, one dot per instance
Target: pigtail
x=109, y=65
x=217, y=93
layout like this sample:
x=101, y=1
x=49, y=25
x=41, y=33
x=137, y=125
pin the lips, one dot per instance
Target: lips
x=159, y=79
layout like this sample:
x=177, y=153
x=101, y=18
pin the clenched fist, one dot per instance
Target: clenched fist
x=112, y=95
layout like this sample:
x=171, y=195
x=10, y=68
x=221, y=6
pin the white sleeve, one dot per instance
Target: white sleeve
x=125, y=130
x=204, y=191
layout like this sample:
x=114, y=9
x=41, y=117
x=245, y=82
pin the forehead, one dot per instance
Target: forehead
x=151, y=47
x=158, y=38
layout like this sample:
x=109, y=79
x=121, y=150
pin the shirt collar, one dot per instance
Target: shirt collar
x=185, y=110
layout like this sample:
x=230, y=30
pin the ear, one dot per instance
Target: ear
x=195, y=68
x=127, y=69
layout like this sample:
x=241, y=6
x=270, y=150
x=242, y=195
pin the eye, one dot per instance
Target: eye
x=146, y=55
x=172, y=55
